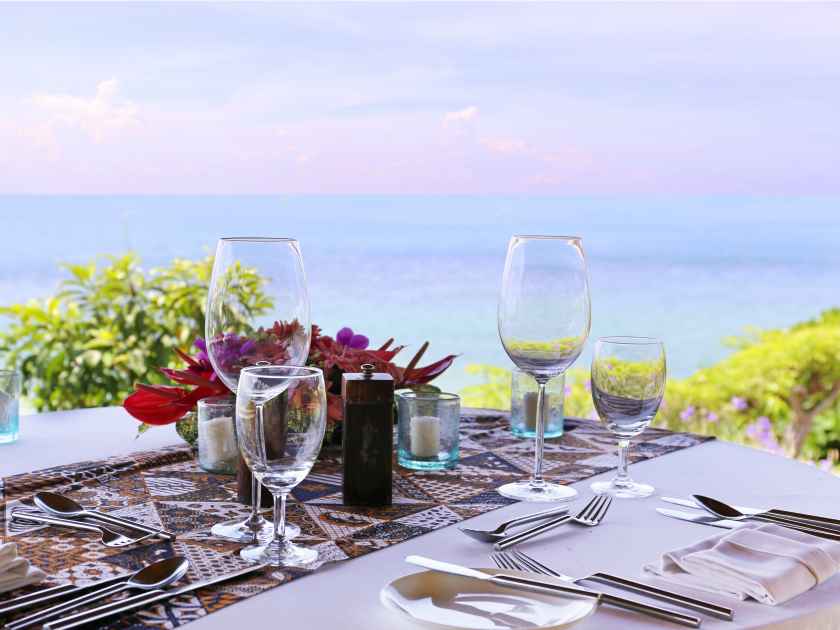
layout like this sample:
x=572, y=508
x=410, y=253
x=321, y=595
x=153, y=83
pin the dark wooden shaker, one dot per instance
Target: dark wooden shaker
x=368, y=437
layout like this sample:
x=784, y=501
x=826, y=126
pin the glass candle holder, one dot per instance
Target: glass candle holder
x=217, y=449
x=9, y=406
x=523, y=405
x=427, y=430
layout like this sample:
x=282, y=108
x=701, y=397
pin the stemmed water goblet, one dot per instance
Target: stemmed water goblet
x=257, y=313
x=281, y=414
x=628, y=382
x=544, y=320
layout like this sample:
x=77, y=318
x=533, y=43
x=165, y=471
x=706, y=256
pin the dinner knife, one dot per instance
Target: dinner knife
x=702, y=519
x=61, y=591
x=141, y=601
x=819, y=523
x=552, y=588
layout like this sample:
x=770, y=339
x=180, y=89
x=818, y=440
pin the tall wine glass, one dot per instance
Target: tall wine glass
x=628, y=381
x=281, y=414
x=257, y=313
x=544, y=319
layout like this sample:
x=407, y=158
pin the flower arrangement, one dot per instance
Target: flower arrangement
x=346, y=352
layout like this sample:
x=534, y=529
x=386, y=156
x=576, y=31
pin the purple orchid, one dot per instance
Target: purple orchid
x=346, y=337
x=739, y=403
x=229, y=349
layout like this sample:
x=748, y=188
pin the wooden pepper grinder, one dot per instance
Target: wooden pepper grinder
x=368, y=443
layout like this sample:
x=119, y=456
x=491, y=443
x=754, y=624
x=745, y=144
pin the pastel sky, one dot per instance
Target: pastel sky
x=441, y=98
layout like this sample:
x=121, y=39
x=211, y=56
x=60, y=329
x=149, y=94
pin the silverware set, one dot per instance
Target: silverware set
x=151, y=581
x=59, y=510
x=520, y=561
x=709, y=511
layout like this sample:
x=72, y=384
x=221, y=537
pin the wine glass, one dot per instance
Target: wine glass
x=257, y=313
x=281, y=414
x=628, y=381
x=544, y=319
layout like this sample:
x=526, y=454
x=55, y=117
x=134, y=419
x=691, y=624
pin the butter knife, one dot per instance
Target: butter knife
x=552, y=588
x=141, y=601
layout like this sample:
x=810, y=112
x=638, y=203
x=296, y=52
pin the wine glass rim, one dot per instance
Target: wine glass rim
x=258, y=239
x=310, y=372
x=630, y=340
x=548, y=237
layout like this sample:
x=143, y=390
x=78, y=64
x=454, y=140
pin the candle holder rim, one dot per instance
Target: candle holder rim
x=447, y=396
x=217, y=401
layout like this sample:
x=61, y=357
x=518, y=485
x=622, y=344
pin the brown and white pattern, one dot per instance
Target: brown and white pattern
x=167, y=489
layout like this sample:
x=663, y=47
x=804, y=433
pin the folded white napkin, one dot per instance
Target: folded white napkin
x=769, y=563
x=15, y=571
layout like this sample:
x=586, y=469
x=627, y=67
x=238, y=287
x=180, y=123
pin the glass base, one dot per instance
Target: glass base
x=241, y=532
x=533, y=491
x=280, y=554
x=624, y=489
x=443, y=461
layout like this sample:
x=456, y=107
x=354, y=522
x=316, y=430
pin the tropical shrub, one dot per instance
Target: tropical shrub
x=110, y=325
x=779, y=390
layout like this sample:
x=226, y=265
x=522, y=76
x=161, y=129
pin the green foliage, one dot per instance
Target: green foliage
x=109, y=326
x=779, y=390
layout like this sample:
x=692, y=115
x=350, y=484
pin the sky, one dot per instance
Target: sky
x=432, y=98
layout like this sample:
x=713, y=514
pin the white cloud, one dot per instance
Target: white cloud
x=461, y=116
x=504, y=145
x=101, y=117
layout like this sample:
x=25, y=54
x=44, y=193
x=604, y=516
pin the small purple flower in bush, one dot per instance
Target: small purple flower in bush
x=826, y=464
x=687, y=413
x=739, y=403
x=762, y=432
x=567, y=390
x=346, y=337
x=712, y=416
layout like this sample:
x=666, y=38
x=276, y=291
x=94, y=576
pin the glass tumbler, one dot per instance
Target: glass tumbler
x=9, y=406
x=427, y=431
x=523, y=405
x=217, y=449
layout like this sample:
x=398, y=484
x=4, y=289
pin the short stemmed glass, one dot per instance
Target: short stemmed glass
x=257, y=313
x=628, y=381
x=544, y=320
x=281, y=414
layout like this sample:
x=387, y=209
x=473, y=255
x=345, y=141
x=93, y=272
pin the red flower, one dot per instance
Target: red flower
x=164, y=404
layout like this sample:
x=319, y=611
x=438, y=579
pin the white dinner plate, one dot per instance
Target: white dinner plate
x=440, y=600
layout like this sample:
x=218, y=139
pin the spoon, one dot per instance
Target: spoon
x=59, y=505
x=494, y=535
x=153, y=577
x=722, y=510
x=107, y=537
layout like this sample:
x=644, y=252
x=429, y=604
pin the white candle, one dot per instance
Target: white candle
x=425, y=436
x=217, y=441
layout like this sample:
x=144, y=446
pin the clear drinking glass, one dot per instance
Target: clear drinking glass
x=281, y=414
x=544, y=319
x=257, y=313
x=9, y=406
x=628, y=381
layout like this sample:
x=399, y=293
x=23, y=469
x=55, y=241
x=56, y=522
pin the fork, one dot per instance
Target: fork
x=591, y=515
x=107, y=537
x=521, y=561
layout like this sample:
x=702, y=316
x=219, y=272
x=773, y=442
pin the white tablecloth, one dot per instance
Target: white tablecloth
x=346, y=595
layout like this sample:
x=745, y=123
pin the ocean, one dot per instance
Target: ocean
x=690, y=270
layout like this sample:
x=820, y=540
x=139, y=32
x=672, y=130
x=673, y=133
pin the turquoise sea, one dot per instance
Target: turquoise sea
x=691, y=270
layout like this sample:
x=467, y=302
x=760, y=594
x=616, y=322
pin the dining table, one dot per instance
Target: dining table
x=346, y=594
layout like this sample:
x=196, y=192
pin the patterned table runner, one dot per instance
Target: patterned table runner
x=166, y=488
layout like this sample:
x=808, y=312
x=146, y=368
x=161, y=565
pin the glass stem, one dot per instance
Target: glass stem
x=622, y=474
x=279, y=518
x=537, y=479
x=254, y=520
